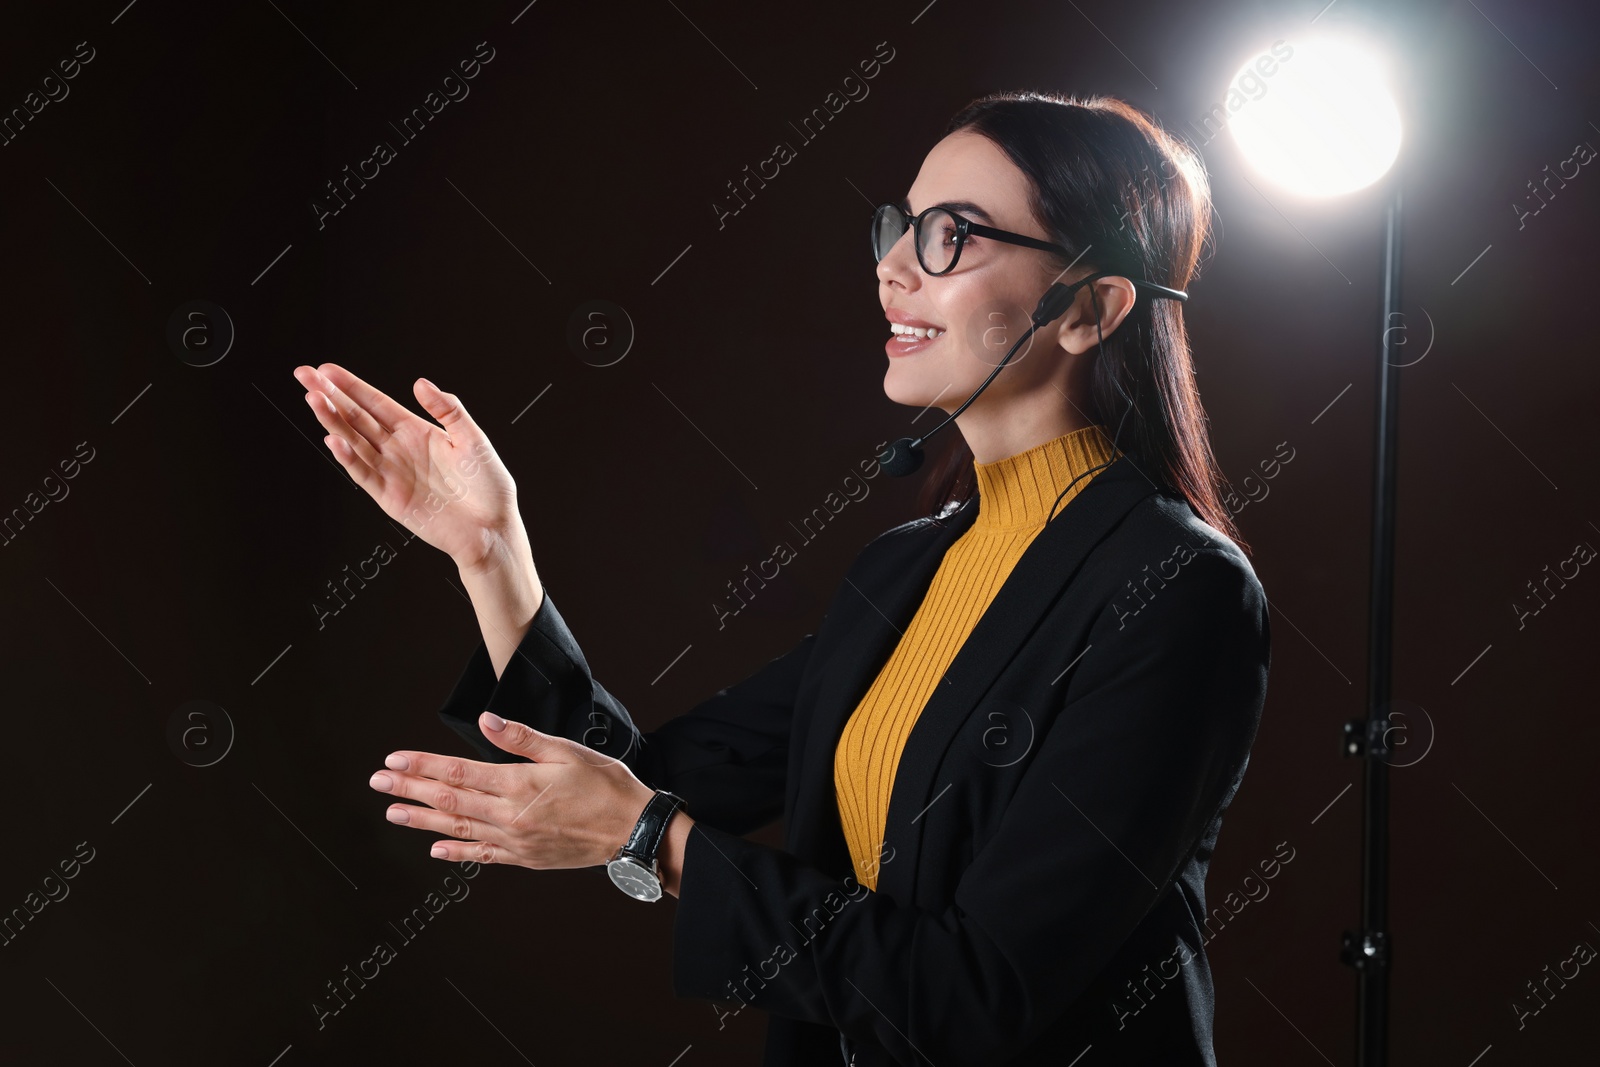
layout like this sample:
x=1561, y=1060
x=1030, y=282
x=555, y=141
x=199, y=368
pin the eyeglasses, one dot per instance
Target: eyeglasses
x=941, y=233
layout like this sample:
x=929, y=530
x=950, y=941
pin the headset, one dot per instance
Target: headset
x=905, y=455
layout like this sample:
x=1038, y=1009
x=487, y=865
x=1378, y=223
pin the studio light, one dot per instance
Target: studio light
x=1316, y=117
x=1324, y=123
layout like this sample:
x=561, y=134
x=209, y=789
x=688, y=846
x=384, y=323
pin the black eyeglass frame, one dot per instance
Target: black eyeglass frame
x=965, y=226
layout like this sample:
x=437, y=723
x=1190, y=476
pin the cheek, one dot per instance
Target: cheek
x=954, y=301
x=986, y=315
x=991, y=329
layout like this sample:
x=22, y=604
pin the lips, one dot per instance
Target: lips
x=905, y=328
x=895, y=315
x=906, y=344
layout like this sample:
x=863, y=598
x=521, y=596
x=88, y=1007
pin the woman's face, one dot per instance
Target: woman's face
x=981, y=307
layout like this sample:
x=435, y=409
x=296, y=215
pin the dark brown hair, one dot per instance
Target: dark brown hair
x=1107, y=179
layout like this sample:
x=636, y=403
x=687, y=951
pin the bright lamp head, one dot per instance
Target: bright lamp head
x=1324, y=124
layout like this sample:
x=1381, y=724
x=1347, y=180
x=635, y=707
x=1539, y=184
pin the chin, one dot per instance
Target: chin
x=910, y=389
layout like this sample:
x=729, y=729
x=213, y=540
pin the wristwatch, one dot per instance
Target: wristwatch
x=635, y=868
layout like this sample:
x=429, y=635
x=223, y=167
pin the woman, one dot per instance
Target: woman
x=1019, y=879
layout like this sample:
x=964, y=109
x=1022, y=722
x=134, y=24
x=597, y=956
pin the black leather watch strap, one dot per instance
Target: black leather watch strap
x=648, y=832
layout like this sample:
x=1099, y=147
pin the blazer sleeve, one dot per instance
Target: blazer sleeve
x=727, y=756
x=1150, y=744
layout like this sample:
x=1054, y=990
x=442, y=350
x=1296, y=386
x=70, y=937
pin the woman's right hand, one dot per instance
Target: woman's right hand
x=447, y=486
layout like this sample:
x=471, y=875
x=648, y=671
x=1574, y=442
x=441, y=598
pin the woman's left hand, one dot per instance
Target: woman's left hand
x=571, y=807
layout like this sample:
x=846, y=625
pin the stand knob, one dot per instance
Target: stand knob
x=1365, y=949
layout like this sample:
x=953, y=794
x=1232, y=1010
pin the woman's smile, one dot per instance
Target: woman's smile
x=908, y=334
x=904, y=344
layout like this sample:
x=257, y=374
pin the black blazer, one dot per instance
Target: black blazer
x=1042, y=883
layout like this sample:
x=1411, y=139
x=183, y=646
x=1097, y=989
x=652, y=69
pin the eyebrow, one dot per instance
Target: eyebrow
x=964, y=207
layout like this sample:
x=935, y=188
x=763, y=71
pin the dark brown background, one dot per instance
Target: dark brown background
x=191, y=548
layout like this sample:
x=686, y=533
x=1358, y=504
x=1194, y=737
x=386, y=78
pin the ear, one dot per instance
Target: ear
x=1115, y=296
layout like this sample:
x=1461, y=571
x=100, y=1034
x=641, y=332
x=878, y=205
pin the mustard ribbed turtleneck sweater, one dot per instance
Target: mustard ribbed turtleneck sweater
x=1015, y=495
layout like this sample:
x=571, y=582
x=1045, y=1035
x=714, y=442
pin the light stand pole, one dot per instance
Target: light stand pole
x=1369, y=949
x=1328, y=125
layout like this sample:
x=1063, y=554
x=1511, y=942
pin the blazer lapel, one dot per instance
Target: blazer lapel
x=1046, y=568
x=892, y=599
x=886, y=597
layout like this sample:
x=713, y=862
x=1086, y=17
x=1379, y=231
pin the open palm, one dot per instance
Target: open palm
x=443, y=482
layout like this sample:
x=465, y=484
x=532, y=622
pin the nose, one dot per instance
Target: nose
x=900, y=266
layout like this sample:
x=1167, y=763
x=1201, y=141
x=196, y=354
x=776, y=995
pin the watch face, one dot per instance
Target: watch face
x=634, y=879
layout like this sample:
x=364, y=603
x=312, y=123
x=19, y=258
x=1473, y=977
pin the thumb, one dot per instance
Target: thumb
x=524, y=740
x=446, y=408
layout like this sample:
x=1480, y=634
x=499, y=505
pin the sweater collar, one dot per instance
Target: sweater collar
x=1017, y=492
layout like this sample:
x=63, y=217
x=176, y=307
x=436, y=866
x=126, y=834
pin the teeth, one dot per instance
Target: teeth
x=929, y=332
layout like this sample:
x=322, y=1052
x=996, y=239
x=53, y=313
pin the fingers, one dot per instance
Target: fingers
x=418, y=770
x=524, y=740
x=363, y=433
x=470, y=832
x=385, y=413
x=446, y=408
x=456, y=807
x=359, y=470
x=469, y=851
x=358, y=455
x=448, y=801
